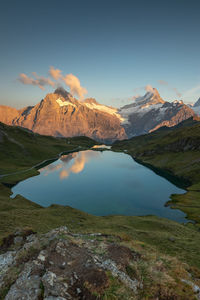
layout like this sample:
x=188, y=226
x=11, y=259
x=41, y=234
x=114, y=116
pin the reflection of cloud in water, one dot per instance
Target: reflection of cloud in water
x=50, y=168
x=64, y=174
x=79, y=163
x=78, y=159
x=67, y=158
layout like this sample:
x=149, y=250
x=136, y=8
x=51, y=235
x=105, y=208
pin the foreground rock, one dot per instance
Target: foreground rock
x=63, y=265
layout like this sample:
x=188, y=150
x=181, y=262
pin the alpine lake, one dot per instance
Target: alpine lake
x=102, y=183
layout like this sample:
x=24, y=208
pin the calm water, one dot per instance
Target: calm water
x=101, y=183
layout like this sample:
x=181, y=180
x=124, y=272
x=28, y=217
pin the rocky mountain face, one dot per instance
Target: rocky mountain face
x=60, y=114
x=150, y=112
x=197, y=104
x=196, y=107
x=7, y=114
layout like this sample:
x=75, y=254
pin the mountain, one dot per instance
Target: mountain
x=197, y=104
x=196, y=107
x=61, y=115
x=151, y=112
x=59, y=252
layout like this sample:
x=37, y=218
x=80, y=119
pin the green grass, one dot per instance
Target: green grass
x=175, y=154
x=21, y=149
x=149, y=232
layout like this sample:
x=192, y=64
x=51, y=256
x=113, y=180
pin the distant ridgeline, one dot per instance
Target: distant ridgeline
x=60, y=114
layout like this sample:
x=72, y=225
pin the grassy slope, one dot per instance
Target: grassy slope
x=164, y=236
x=167, y=152
x=21, y=149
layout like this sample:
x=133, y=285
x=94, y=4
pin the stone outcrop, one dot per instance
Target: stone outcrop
x=63, y=265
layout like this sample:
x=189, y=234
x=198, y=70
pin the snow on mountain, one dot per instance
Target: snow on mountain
x=104, y=108
x=127, y=111
x=197, y=104
x=150, y=112
x=64, y=103
x=60, y=114
x=195, y=107
x=90, y=103
x=141, y=105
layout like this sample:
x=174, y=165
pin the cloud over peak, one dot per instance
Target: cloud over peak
x=149, y=88
x=55, y=73
x=70, y=80
x=163, y=82
x=37, y=81
x=75, y=87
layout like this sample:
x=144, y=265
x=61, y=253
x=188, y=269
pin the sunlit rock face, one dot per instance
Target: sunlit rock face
x=60, y=114
x=150, y=112
x=7, y=114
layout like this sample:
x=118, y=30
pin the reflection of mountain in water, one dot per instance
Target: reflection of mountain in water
x=71, y=163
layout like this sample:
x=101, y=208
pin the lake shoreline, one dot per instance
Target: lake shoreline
x=138, y=201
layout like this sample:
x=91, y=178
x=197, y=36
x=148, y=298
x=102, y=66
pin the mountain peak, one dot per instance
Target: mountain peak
x=151, y=97
x=62, y=92
x=197, y=103
x=156, y=98
x=156, y=93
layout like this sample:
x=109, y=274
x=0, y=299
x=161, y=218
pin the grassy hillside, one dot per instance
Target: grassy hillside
x=169, y=251
x=21, y=149
x=175, y=154
x=166, y=247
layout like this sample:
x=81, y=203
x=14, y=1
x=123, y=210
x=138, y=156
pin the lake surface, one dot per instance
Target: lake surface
x=102, y=183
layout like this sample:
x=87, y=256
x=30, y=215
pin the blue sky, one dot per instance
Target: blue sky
x=113, y=47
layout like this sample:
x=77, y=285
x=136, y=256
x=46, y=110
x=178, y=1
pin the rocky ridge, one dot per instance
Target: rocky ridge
x=62, y=265
x=196, y=107
x=60, y=114
x=150, y=112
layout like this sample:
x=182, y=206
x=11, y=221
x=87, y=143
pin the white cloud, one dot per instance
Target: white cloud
x=70, y=80
x=74, y=84
x=55, y=73
x=149, y=88
x=163, y=82
x=37, y=81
